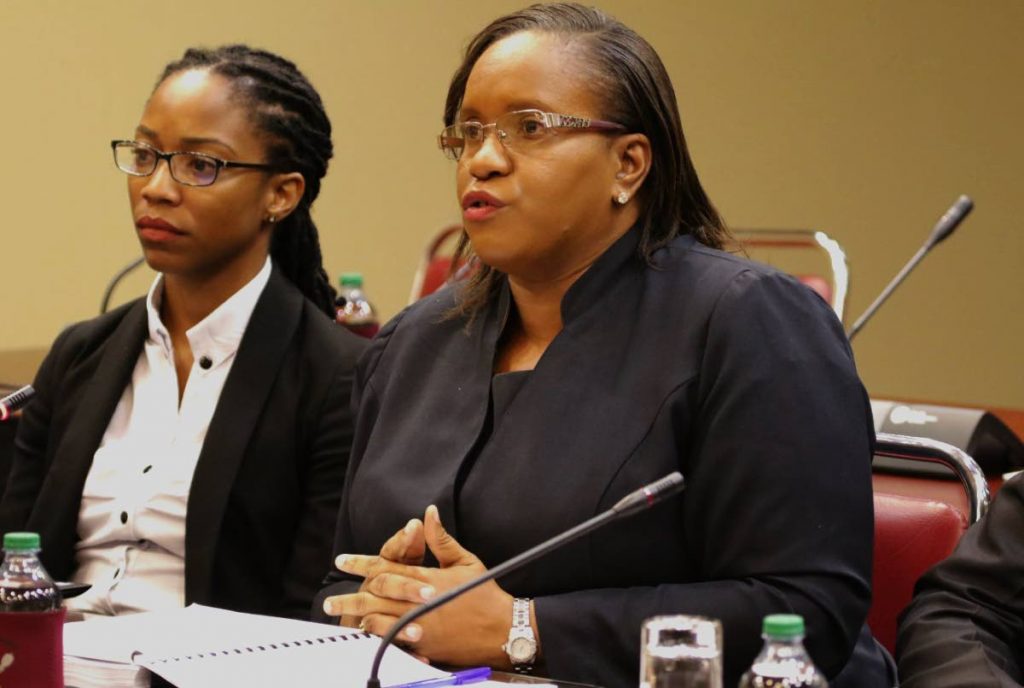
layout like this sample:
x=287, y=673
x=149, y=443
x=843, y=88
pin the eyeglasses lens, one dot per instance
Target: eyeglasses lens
x=194, y=169
x=134, y=159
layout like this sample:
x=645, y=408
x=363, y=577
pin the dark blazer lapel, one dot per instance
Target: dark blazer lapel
x=264, y=344
x=89, y=422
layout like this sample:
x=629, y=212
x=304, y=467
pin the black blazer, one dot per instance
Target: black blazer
x=965, y=626
x=265, y=492
x=726, y=370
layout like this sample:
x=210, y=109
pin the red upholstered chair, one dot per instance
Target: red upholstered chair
x=436, y=263
x=813, y=257
x=918, y=521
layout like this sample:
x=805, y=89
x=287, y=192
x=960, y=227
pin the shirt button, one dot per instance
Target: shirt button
x=124, y=517
x=205, y=363
x=147, y=469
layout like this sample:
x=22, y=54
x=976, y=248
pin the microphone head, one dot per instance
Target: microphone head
x=12, y=402
x=951, y=220
x=649, y=495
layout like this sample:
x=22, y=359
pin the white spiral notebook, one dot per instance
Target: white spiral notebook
x=204, y=647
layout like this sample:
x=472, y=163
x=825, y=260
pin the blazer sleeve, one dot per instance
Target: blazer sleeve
x=327, y=460
x=364, y=405
x=965, y=626
x=777, y=507
x=30, y=462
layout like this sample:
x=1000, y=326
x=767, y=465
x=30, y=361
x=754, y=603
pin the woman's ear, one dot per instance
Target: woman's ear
x=633, y=163
x=284, y=193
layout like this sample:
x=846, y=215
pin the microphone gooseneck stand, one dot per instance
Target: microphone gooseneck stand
x=943, y=228
x=632, y=503
x=121, y=274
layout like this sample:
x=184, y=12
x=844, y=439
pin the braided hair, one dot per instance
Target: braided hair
x=287, y=109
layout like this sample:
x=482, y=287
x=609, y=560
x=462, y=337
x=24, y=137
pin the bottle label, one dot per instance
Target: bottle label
x=32, y=649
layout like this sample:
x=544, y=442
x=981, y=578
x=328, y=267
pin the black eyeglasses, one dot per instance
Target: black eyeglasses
x=191, y=169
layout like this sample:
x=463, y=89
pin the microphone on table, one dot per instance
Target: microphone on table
x=943, y=228
x=633, y=503
x=14, y=401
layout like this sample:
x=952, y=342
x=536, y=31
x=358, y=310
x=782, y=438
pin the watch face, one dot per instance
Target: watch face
x=521, y=649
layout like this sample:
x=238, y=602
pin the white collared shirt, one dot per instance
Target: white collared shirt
x=131, y=523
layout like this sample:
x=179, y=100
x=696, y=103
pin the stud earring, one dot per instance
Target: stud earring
x=271, y=219
x=622, y=198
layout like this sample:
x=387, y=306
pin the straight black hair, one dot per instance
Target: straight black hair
x=636, y=91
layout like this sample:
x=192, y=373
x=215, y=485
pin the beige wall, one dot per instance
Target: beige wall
x=865, y=119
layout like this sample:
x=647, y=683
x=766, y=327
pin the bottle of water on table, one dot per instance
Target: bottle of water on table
x=353, y=309
x=31, y=618
x=783, y=662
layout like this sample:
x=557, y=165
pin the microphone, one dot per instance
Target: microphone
x=633, y=503
x=121, y=274
x=943, y=228
x=14, y=401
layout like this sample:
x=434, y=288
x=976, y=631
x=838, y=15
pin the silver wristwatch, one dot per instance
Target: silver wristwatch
x=521, y=646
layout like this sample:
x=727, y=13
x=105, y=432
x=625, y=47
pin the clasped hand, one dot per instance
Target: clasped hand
x=468, y=630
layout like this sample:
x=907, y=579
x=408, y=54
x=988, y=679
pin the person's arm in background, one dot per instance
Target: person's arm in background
x=364, y=408
x=965, y=625
x=323, y=479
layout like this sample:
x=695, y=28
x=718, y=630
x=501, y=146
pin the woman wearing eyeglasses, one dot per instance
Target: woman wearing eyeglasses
x=191, y=446
x=604, y=341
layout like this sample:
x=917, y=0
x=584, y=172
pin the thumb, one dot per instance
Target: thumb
x=444, y=547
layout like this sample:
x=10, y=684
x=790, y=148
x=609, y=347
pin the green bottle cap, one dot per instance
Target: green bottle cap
x=21, y=541
x=783, y=625
x=351, y=279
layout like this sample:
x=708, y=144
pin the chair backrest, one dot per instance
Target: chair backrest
x=811, y=256
x=918, y=522
x=435, y=264
x=764, y=244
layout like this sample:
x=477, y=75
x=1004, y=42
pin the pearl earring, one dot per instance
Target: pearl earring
x=622, y=198
x=271, y=219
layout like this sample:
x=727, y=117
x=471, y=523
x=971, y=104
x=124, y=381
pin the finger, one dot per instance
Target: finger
x=380, y=624
x=368, y=566
x=407, y=545
x=445, y=548
x=395, y=587
x=360, y=604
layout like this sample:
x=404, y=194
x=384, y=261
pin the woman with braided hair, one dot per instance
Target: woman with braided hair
x=191, y=446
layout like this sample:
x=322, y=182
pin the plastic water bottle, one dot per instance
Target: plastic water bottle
x=31, y=618
x=354, y=310
x=783, y=662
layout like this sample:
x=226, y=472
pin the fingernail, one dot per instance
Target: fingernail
x=340, y=560
x=413, y=632
x=426, y=592
x=432, y=510
x=410, y=527
x=329, y=607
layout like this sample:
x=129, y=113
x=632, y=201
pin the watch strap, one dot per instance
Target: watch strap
x=521, y=629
